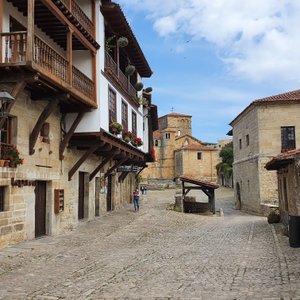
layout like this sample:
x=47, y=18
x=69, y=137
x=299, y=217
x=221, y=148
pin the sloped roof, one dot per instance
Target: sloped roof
x=156, y=134
x=115, y=17
x=188, y=135
x=289, y=97
x=197, y=181
x=282, y=160
x=196, y=147
x=175, y=115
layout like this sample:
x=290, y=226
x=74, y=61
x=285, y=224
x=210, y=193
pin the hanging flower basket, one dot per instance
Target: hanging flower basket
x=128, y=135
x=148, y=89
x=130, y=69
x=139, y=86
x=122, y=41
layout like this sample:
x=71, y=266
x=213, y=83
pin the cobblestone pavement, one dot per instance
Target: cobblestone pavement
x=156, y=254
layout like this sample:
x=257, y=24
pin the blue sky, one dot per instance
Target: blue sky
x=212, y=58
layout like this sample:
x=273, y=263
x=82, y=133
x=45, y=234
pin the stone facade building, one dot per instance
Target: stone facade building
x=265, y=128
x=68, y=89
x=178, y=153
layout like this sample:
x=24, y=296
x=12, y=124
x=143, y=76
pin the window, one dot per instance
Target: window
x=247, y=140
x=112, y=105
x=156, y=143
x=2, y=198
x=199, y=155
x=6, y=131
x=288, y=141
x=167, y=136
x=125, y=115
x=134, y=127
x=240, y=143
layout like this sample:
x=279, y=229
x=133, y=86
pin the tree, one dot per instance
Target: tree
x=224, y=168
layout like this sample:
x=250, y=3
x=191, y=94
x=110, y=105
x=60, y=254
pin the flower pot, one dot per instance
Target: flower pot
x=127, y=139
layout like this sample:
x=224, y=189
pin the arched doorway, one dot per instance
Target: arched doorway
x=238, y=203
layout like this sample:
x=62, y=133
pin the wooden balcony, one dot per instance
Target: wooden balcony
x=118, y=76
x=52, y=66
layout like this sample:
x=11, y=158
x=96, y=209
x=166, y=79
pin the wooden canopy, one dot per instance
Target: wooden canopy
x=208, y=188
x=108, y=147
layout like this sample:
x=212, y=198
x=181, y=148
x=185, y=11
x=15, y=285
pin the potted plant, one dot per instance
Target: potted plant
x=139, y=86
x=130, y=69
x=11, y=153
x=122, y=41
x=137, y=142
x=128, y=136
x=148, y=89
x=115, y=127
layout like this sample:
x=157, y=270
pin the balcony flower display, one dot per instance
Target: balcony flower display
x=122, y=41
x=139, y=86
x=130, y=69
x=128, y=136
x=11, y=153
x=137, y=142
x=115, y=127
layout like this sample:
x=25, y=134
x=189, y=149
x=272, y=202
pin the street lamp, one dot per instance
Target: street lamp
x=5, y=100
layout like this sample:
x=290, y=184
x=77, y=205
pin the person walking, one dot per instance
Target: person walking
x=136, y=199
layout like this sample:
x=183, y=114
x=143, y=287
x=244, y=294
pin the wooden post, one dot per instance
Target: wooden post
x=94, y=20
x=30, y=30
x=1, y=28
x=70, y=55
x=94, y=68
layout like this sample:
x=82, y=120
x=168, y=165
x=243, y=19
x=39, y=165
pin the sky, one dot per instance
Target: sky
x=212, y=58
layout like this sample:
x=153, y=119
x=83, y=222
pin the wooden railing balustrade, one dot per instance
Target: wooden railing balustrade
x=122, y=78
x=14, y=44
x=82, y=18
x=50, y=60
x=14, y=52
x=82, y=83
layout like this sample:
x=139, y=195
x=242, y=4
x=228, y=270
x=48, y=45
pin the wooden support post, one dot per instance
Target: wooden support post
x=70, y=55
x=1, y=28
x=213, y=202
x=67, y=137
x=183, y=197
x=81, y=161
x=104, y=162
x=30, y=30
x=123, y=176
x=38, y=126
x=18, y=88
x=117, y=164
x=138, y=173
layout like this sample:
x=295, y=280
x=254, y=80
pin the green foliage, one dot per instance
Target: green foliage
x=108, y=45
x=226, y=154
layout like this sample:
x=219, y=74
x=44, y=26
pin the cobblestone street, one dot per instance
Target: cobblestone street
x=156, y=253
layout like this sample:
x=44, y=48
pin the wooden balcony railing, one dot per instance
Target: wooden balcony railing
x=14, y=45
x=50, y=60
x=82, y=83
x=79, y=14
x=122, y=79
x=55, y=65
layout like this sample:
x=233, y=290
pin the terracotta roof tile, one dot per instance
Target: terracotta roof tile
x=282, y=159
x=197, y=181
x=176, y=115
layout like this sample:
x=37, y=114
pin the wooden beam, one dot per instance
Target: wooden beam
x=138, y=173
x=1, y=27
x=67, y=137
x=59, y=14
x=38, y=126
x=123, y=176
x=17, y=90
x=70, y=55
x=104, y=162
x=30, y=30
x=81, y=161
x=117, y=164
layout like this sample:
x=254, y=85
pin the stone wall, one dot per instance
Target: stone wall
x=17, y=221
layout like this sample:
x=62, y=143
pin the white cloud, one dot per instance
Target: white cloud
x=255, y=39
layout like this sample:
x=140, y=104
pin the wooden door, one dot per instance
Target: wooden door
x=81, y=196
x=40, y=208
x=109, y=194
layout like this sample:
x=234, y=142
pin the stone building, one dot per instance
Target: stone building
x=178, y=153
x=287, y=165
x=68, y=89
x=265, y=128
